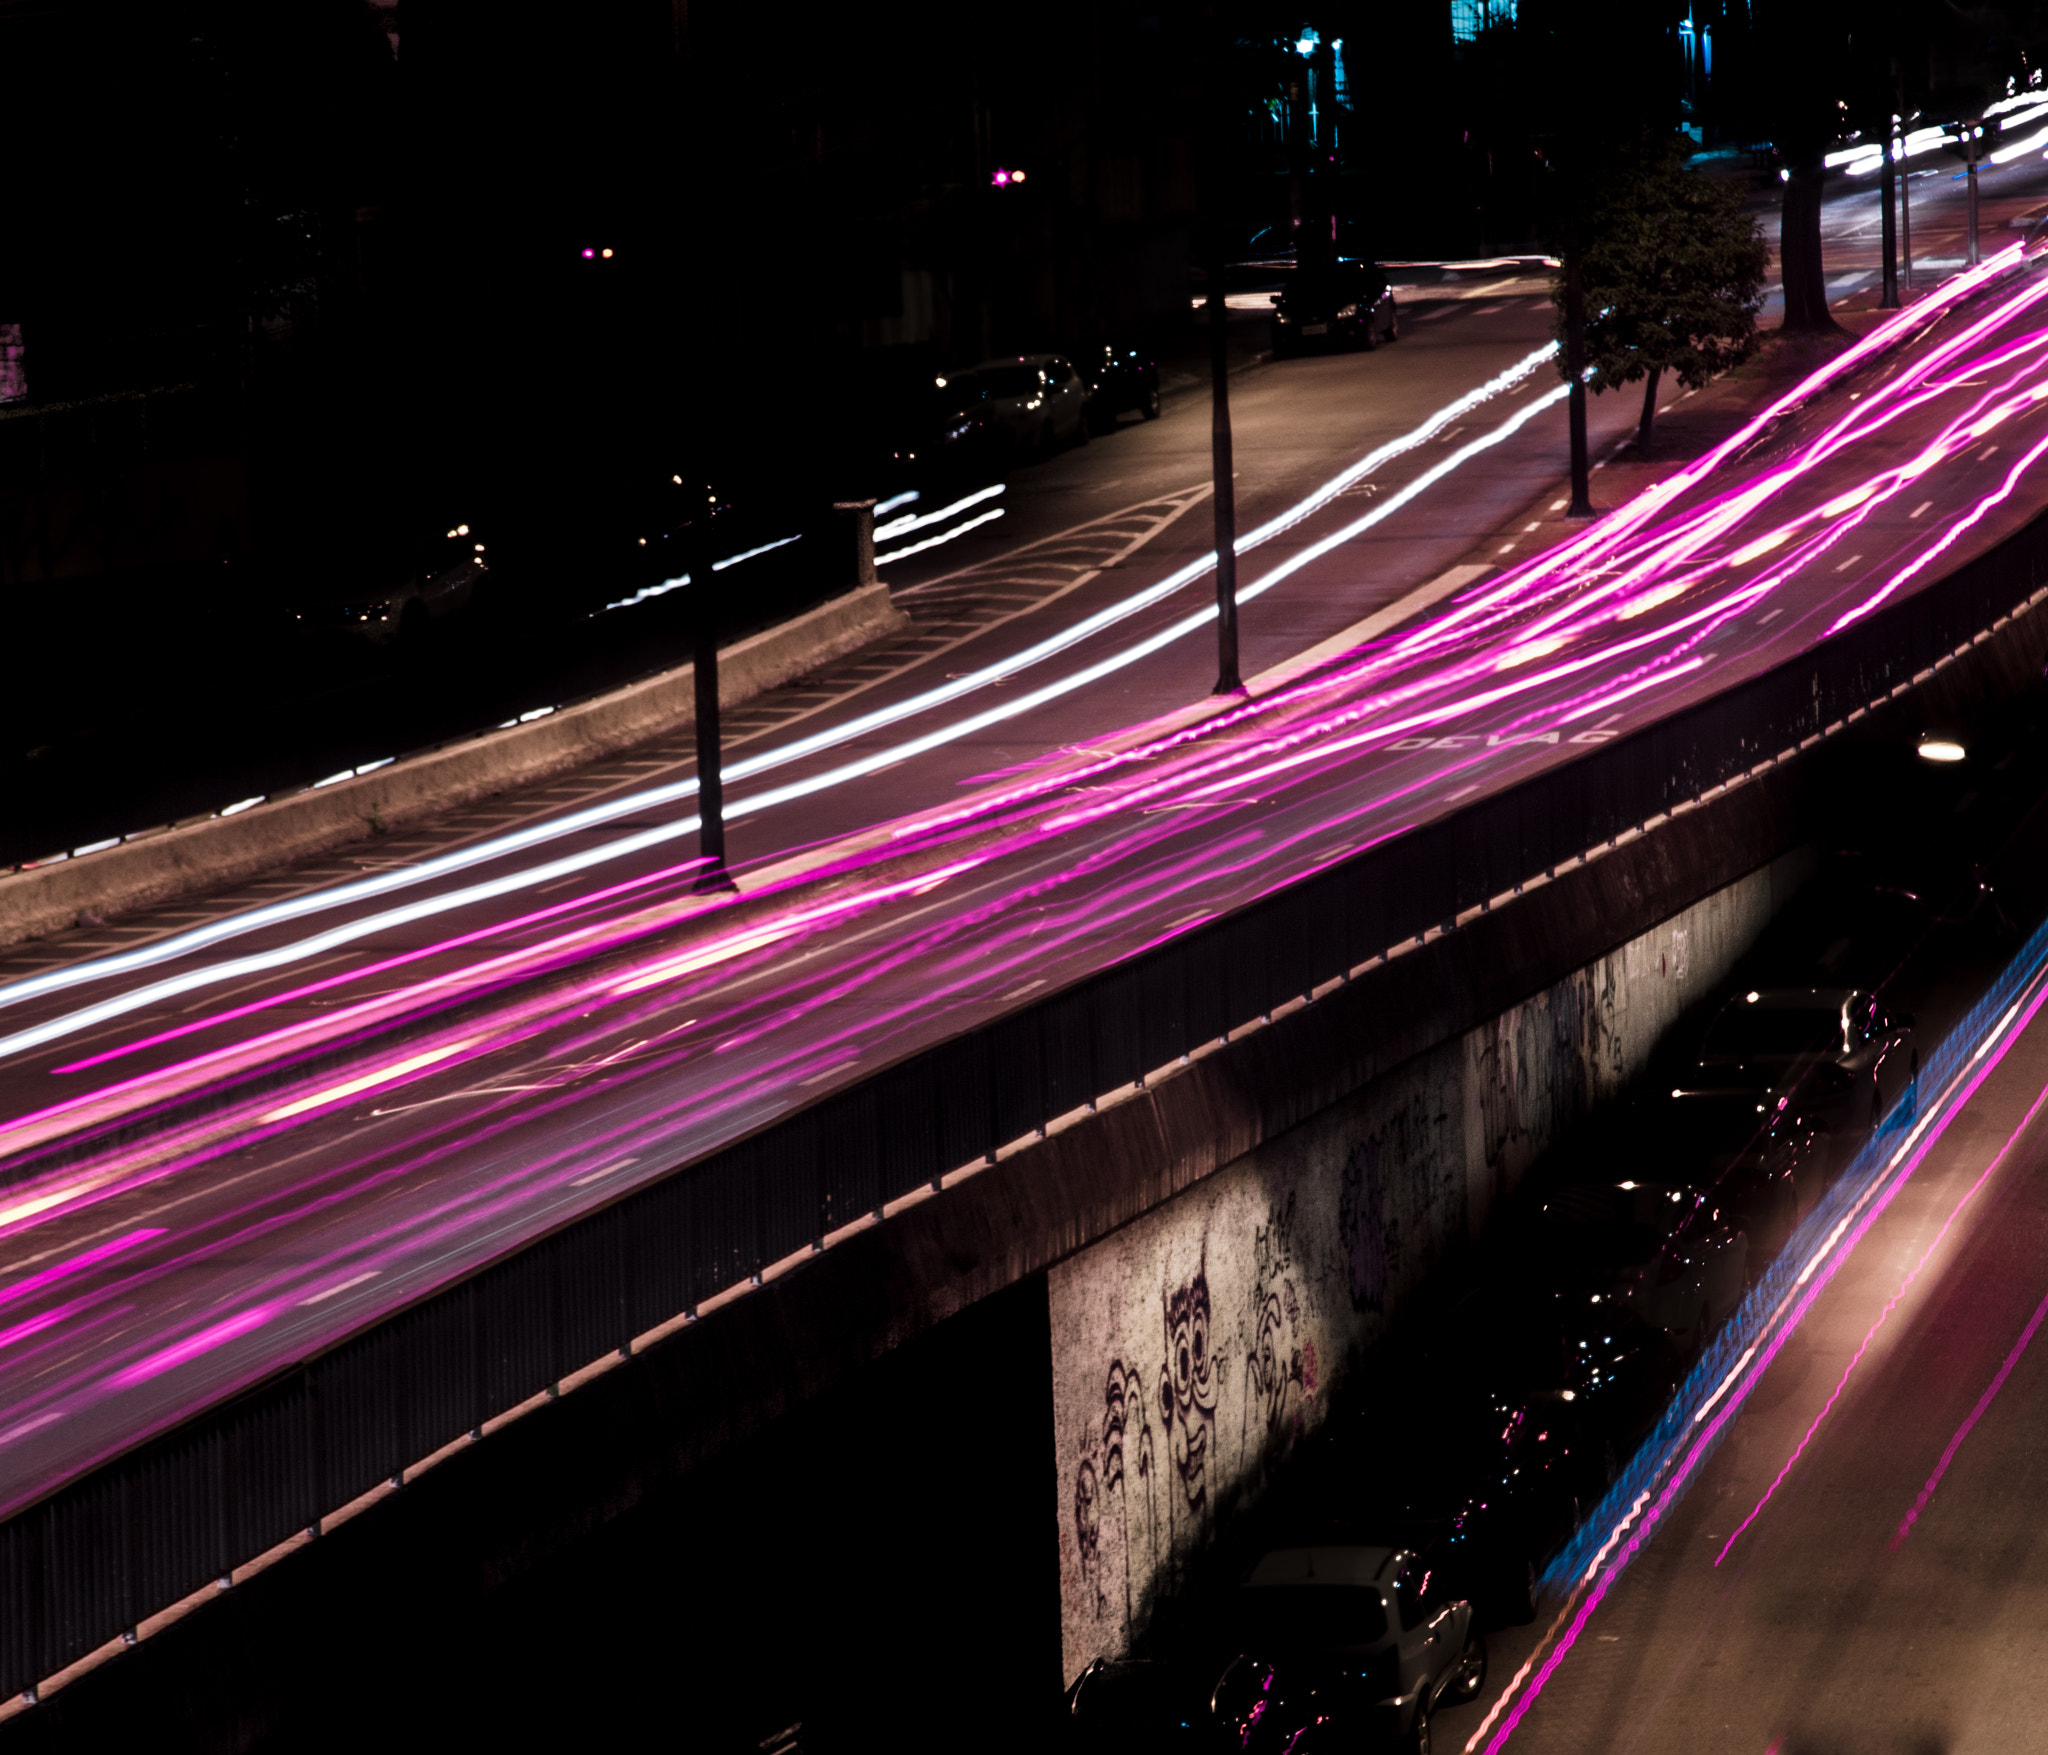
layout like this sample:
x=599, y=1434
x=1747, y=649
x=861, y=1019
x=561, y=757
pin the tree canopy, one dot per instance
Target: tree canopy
x=1673, y=272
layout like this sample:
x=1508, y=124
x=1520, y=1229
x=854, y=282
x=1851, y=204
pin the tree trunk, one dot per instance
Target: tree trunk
x=1649, y=411
x=1575, y=372
x=1806, y=287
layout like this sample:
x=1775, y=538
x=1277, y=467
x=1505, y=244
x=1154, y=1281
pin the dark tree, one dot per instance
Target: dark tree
x=1804, y=52
x=1673, y=274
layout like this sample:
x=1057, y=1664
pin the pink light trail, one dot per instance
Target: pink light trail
x=1963, y=1431
x=1905, y=1285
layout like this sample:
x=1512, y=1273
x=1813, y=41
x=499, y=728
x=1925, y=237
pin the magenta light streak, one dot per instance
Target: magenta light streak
x=1892, y=1303
x=1072, y=920
x=1742, y=502
x=77, y=1264
x=1963, y=1431
x=735, y=943
x=206, y=1340
x=1739, y=1395
x=1955, y=530
x=299, y=994
x=1551, y=565
x=1610, y=534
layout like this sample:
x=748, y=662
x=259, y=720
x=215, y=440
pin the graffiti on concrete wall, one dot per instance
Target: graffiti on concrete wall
x=1187, y=1386
x=1194, y=1347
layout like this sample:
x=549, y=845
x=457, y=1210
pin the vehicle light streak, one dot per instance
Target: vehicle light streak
x=77, y=1264
x=555, y=869
x=501, y=846
x=940, y=541
x=597, y=1035
x=206, y=1341
x=910, y=521
x=1678, y=1456
x=775, y=931
x=370, y=971
x=370, y=1081
x=1559, y=565
x=1969, y=1425
x=1948, y=537
x=1892, y=1303
x=1312, y=743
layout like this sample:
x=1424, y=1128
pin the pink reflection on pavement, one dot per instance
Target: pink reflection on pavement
x=1963, y=1431
x=205, y=1341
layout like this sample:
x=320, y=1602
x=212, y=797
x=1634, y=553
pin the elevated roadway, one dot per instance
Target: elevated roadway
x=224, y=1158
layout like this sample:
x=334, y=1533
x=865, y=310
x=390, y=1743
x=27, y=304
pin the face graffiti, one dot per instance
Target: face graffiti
x=1187, y=1386
x=1088, y=1527
x=1266, y=1375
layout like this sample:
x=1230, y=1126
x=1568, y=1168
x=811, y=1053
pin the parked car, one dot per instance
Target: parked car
x=436, y=575
x=1119, y=378
x=1834, y=1053
x=1349, y=305
x=1673, y=1255
x=1034, y=401
x=1485, y=1487
x=1767, y=1163
x=1342, y=1646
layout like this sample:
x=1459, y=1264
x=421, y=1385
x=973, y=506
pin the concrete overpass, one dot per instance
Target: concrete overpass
x=1373, y=1052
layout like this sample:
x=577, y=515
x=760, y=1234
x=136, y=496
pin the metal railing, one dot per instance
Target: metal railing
x=151, y=1526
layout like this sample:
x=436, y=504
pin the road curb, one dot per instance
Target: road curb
x=163, y=864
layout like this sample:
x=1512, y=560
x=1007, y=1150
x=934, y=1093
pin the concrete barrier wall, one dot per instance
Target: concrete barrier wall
x=156, y=867
x=1192, y=1347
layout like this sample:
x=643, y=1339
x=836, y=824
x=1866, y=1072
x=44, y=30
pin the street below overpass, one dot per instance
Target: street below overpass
x=1860, y=1566
x=220, y=1162
x=1840, y=1548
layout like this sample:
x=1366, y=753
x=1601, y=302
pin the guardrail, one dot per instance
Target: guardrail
x=149, y=1527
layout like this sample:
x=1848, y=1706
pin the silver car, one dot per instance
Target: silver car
x=1037, y=400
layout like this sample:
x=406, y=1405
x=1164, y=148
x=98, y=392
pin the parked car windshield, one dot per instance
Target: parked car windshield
x=1743, y=1030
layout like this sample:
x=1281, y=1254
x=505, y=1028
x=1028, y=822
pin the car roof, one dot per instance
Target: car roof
x=1339, y=1564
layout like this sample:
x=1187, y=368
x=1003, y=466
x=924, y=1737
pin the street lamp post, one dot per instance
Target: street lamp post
x=1973, y=131
x=1887, y=196
x=1227, y=679
x=705, y=629
x=1905, y=217
x=1575, y=372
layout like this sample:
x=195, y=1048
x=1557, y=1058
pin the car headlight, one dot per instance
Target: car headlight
x=1345, y=312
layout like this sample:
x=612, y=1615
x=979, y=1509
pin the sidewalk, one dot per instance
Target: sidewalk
x=1689, y=423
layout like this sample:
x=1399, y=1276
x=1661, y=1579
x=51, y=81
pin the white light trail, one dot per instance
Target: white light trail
x=520, y=840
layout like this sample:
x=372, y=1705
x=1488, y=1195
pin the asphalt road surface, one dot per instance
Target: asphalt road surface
x=226, y=1157
x=1858, y=1566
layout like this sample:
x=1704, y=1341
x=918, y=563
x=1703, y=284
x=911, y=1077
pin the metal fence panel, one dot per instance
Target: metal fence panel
x=269, y=1466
